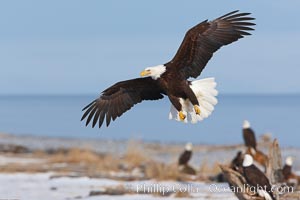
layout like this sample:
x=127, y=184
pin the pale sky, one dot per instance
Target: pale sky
x=82, y=47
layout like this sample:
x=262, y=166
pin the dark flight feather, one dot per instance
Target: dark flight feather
x=117, y=99
x=201, y=41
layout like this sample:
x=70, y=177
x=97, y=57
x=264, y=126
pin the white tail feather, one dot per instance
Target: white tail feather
x=206, y=93
x=264, y=194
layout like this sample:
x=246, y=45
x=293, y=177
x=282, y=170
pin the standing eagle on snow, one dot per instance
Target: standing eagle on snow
x=192, y=101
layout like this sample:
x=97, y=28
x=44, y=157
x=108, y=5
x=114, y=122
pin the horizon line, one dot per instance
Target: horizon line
x=97, y=94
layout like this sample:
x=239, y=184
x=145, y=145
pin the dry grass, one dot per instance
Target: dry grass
x=72, y=160
x=135, y=155
x=75, y=156
x=28, y=168
x=161, y=171
x=86, y=162
x=207, y=168
x=89, y=161
x=82, y=161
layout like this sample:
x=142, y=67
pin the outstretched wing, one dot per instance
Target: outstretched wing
x=249, y=138
x=117, y=99
x=201, y=41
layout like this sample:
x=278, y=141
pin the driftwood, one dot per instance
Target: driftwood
x=237, y=183
x=273, y=172
x=274, y=166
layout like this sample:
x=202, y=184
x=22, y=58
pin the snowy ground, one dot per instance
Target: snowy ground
x=40, y=186
x=53, y=186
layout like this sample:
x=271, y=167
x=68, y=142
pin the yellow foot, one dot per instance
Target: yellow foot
x=197, y=109
x=181, y=116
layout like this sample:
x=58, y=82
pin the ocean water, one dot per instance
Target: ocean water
x=59, y=116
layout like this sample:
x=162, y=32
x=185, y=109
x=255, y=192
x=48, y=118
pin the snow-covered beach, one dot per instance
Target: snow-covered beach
x=34, y=168
x=41, y=186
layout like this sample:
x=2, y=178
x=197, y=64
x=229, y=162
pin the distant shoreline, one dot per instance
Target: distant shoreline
x=118, y=146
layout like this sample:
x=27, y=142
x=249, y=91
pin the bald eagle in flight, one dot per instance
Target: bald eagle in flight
x=192, y=101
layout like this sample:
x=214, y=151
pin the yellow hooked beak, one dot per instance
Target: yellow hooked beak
x=145, y=73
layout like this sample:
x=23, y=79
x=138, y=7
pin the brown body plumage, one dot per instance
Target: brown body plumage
x=185, y=157
x=288, y=174
x=249, y=138
x=257, y=179
x=198, y=46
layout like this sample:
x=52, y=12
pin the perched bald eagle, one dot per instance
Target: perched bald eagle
x=288, y=175
x=186, y=155
x=251, y=145
x=249, y=135
x=257, y=179
x=192, y=101
x=183, y=160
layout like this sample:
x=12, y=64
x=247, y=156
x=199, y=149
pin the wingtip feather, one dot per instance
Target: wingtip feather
x=230, y=13
x=88, y=105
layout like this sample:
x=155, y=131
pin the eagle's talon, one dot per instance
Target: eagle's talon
x=197, y=109
x=181, y=116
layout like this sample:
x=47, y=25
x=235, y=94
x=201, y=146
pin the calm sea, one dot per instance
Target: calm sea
x=59, y=116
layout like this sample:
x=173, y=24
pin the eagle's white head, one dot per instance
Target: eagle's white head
x=248, y=160
x=189, y=146
x=289, y=161
x=155, y=72
x=246, y=124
